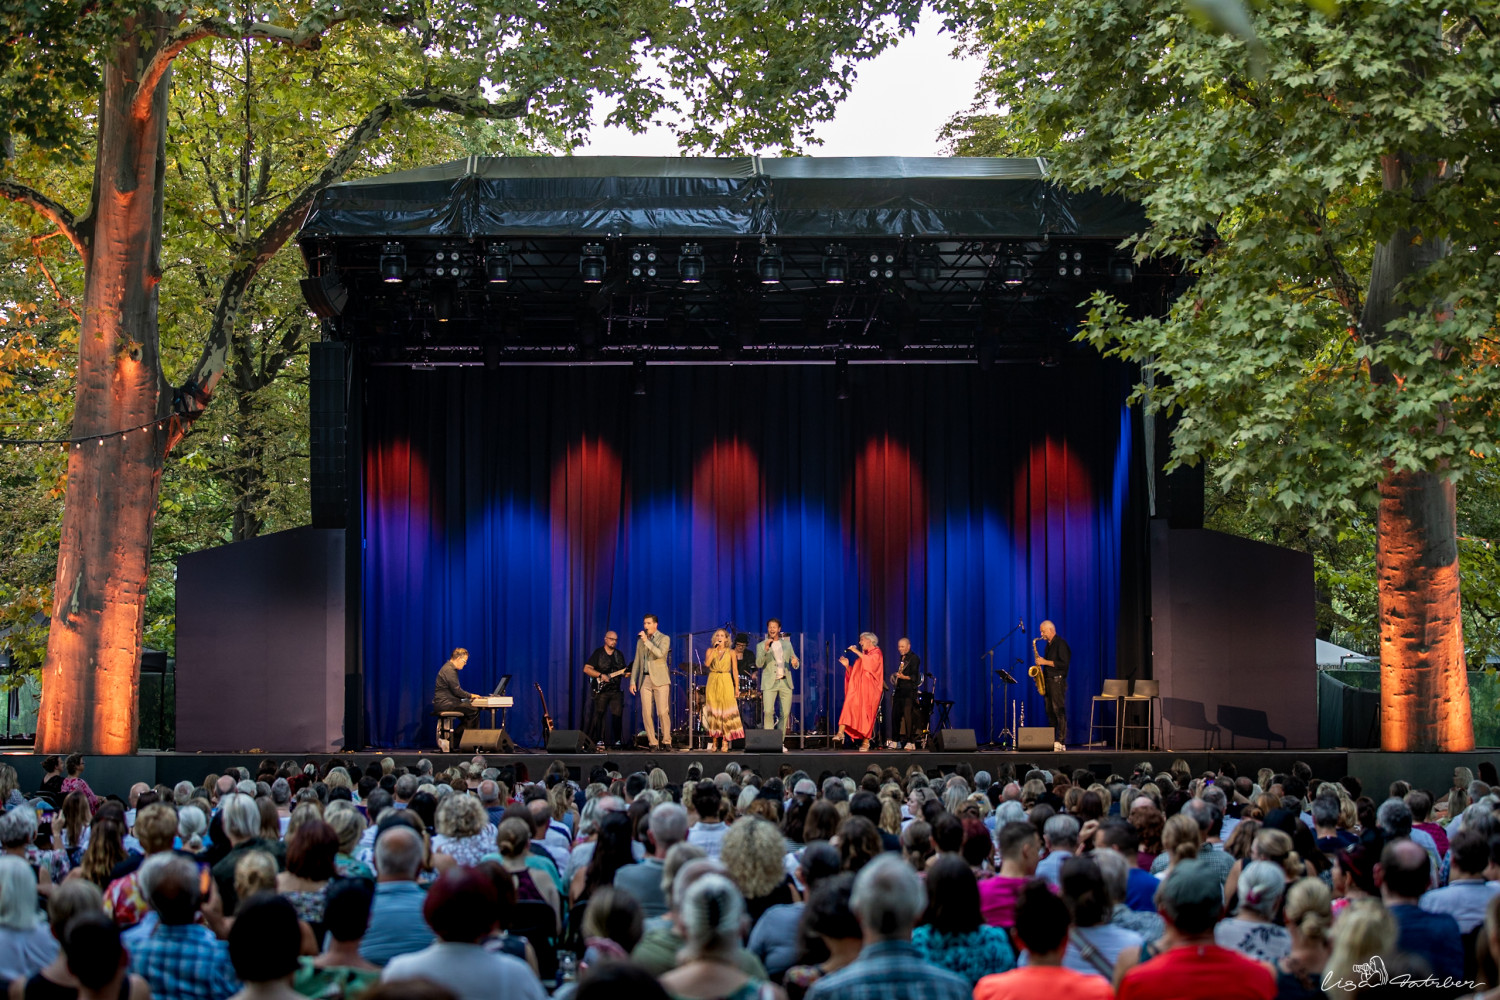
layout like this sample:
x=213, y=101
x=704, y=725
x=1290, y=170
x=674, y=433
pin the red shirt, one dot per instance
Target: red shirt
x=1199, y=972
x=1050, y=981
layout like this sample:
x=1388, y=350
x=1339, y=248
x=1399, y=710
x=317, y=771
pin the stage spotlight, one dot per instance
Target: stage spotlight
x=842, y=379
x=591, y=264
x=1121, y=271
x=442, y=304
x=769, y=264
x=1013, y=273
x=690, y=263
x=643, y=262
x=392, y=263
x=639, y=369
x=325, y=294
x=925, y=266
x=835, y=265
x=882, y=265
x=497, y=264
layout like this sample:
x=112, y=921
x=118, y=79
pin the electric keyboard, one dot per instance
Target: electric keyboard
x=494, y=701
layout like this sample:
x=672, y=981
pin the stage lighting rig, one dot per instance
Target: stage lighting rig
x=925, y=266
x=690, y=263
x=497, y=263
x=769, y=264
x=1070, y=263
x=1013, y=273
x=392, y=263
x=643, y=261
x=835, y=265
x=448, y=264
x=882, y=264
x=591, y=264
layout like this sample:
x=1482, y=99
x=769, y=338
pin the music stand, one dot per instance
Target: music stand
x=1010, y=731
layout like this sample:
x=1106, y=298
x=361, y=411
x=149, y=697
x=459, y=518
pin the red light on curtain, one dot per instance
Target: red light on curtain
x=727, y=482
x=587, y=487
x=890, y=516
x=1054, y=479
x=396, y=474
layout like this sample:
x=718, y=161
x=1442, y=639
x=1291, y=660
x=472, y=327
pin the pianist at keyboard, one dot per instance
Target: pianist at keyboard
x=449, y=695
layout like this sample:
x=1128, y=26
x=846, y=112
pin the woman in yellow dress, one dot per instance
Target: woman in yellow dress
x=721, y=706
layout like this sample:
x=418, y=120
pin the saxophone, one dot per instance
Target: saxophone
x=1035, y=672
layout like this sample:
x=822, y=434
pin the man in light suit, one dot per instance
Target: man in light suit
x=775, y=658
x=651, y=678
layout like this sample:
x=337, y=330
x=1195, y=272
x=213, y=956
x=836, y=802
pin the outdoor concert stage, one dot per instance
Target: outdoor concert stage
x=556, y=395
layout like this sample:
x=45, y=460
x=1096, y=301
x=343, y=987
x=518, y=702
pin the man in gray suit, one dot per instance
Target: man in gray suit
x=776, y=660
x=651, y=678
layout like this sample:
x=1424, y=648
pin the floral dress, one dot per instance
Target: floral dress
x=721, y=706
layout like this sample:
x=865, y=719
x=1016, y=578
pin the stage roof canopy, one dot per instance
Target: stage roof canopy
x=706, y=198
x=494, y=260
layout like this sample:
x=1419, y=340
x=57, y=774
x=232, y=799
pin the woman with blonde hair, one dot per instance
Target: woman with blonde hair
x=1270, y=845
x=349, y=824
x=1181, y=840
x=10, y=788
x=753, y=855
x=564, y=809
x=1365, y=929
x=464, y=835
x=1031, y=792
x=721, y=707
x=1309, y=922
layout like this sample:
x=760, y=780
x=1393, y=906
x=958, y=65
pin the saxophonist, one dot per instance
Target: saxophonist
x=1054, y=663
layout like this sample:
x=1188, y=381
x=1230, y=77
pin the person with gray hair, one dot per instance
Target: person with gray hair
x=1116, y=872
x=1396, y=822
x=1060, y=836
x=712, y=916
x=667, y=827
x=26, y=942
x=397, y=926
x=406, y=787
x=180, y=957
x=241, y=819
x=1253, y=931
x=864, y=681
x=658, y=948
x=1209, y=820
x=888, y=900
x=182, y=793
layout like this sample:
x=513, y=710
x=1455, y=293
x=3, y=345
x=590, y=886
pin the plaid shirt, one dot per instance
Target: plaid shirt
x=891, y=970
x=184, y=963
x=1220, y=860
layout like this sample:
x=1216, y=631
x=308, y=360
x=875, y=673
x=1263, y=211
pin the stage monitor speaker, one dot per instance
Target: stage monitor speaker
x=1035, y=738
x=486, y=741
x=569, y=741
x=763, y=741
x=949, y=740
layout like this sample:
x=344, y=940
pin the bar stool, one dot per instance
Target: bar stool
x=1114, y=692
x=1147, y=692
x=446, y=722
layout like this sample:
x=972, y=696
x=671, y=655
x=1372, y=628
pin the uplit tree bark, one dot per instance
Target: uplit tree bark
x=92, y=668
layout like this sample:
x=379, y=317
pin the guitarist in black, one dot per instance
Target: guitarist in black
x=606, y=666
x=904, y=684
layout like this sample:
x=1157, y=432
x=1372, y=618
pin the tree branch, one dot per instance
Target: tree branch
x=50, y=210
x=469, y=104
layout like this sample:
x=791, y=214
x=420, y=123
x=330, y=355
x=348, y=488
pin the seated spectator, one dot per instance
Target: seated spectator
x=888, y=900
x=1042, y=925
x=396, y=925
x=712, y=915
x=667, y=828
x=464, y=835
x=241, y=820
x=1404, y=874
x=708, y=833
x=613, y=850
x=1327, y=810
x=753, y=851
x=310, y=855
x=514, y=841
x=613, y=980
x=105, y=850
x=26, y=942
x=192, y=825
x=1020, y=850
x=1060, y=834
x=1116, y=870
x=54, y=980
x=1365, y=930
x=18, y=834
x=340, y=971
x=659, y=945
x=181, y=959
x=74, y=781
x=461, y=910
x=156, y=827
x=612, y=927
x=1148, y=821
x=1193, y=966
x=1309, y=919
x=776, y=938
x=97, y=962
x=828, y=920
x=264, y=945
x=1466, y=897
x=349, y=825
x=1095, y=943
x=1253, y=930
x=952, y=935
x=859, y=842
x=1181, y=840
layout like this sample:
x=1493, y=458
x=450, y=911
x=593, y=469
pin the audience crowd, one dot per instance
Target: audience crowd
x=391, y=882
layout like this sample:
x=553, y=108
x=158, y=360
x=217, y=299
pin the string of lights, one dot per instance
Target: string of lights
x=99, y=439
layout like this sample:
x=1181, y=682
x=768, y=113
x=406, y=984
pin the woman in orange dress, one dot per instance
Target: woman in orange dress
x=863, y=682
x=721, y=708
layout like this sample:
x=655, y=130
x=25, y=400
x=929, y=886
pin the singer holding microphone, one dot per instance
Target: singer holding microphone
x=776, y=660
x=864, y=680
x=652, y=679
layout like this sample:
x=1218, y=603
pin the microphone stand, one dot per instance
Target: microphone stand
x=1020, y=627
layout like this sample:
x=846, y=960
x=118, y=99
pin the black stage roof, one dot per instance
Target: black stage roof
x=611, y=259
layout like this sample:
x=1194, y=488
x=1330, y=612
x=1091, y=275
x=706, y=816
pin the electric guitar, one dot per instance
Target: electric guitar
x=604, y=679
x=546, y=716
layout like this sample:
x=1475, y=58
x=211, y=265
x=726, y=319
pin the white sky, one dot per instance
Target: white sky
x=898, y=103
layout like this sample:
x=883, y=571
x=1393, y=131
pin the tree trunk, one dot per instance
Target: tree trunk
x=1424, y=685
x=91, y=674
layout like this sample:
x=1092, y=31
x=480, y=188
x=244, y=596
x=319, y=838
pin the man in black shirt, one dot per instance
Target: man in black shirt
x=606, y=665
x=1054, y=663
x=906, y=679
x=449, y=696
